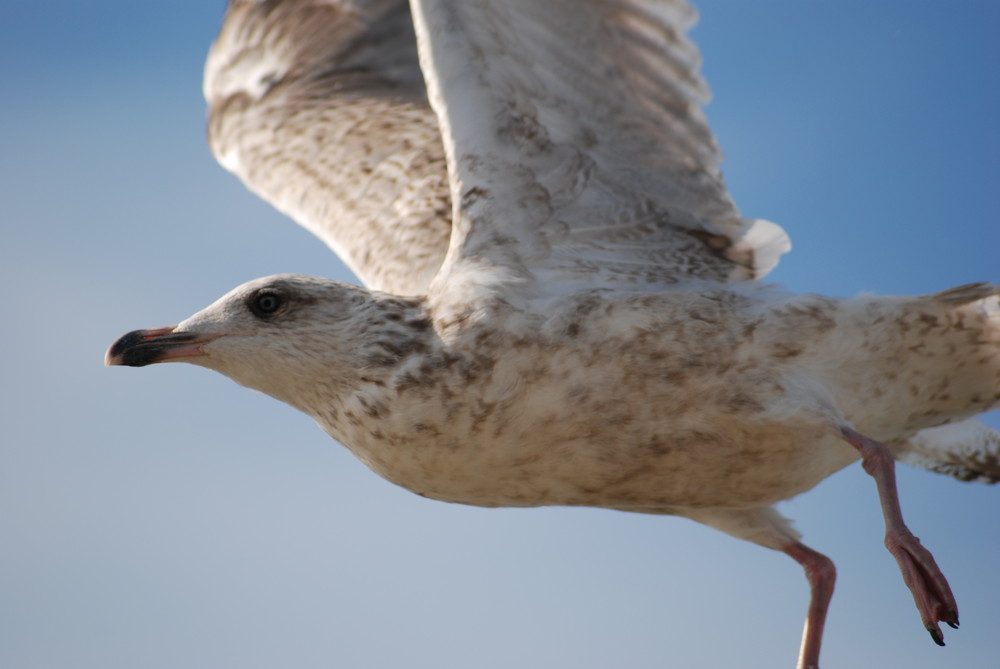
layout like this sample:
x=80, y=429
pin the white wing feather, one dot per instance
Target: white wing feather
x=577, y=150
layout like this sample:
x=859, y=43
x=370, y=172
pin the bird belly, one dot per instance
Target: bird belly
x=653, y=459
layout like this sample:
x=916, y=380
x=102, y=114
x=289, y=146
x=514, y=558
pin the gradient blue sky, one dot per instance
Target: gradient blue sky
x=164, y=517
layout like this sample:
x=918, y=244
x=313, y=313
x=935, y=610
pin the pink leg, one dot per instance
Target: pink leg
x=822, y=575
x=920, y=573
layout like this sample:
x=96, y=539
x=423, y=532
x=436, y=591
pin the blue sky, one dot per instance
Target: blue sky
x=165, y=517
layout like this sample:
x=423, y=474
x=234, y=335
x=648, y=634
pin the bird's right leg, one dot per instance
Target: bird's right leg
x=921, y=574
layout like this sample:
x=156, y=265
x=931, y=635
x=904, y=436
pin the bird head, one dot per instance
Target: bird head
x=289, y=336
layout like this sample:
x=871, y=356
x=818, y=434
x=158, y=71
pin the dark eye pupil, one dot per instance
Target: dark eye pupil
x=267, y=303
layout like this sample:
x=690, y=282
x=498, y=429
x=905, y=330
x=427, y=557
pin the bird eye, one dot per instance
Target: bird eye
x=266, y=304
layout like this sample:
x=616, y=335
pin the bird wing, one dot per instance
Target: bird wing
x=968, y=450
x=319, y=106
x=577, y=150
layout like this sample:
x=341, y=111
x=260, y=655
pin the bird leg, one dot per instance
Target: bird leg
x=763, y=526
x=822, y=575
x=920, y=573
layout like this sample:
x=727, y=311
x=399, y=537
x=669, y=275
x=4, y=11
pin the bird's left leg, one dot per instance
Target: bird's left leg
x=764, y=526
x=921, y=574
x=822, y=575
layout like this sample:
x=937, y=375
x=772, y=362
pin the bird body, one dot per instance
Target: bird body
x=658, y=401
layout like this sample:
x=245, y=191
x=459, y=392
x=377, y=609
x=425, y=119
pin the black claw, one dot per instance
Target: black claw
x=936, y=635
x=953, y=619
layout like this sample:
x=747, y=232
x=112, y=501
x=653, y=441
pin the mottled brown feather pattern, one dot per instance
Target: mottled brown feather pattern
x=319, y=107
x=656, y=402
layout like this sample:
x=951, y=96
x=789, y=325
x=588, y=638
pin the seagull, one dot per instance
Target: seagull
x=561, y=303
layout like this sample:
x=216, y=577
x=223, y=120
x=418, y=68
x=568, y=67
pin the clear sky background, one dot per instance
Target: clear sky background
x=165, y=517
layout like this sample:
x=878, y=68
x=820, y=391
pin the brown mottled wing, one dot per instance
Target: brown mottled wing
x=319, y=106
x=577, y=150
x=968, y=450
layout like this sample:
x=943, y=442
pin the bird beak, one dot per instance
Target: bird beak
x=144, y=347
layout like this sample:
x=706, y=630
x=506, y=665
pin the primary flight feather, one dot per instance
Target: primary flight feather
x=562, y=305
